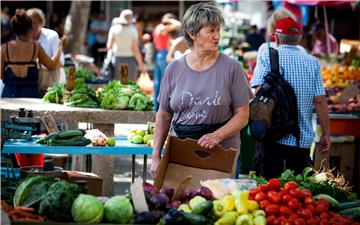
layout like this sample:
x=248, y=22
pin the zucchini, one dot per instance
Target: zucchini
x=75, y=141
x=203, y=208
x=351, y=212
x=70, y=133
x=194, y=219
x=347, y=205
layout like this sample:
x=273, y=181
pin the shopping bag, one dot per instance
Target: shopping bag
x=145, y=83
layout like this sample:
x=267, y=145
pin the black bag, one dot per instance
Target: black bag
x=195, y=131
x=273, y=111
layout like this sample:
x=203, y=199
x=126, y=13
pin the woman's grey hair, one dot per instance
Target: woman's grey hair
x=277, y=15
x=288, y=39
x=198, y=16
x=38, y=14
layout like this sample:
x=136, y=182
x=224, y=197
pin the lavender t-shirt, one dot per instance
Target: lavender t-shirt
x=205, y=97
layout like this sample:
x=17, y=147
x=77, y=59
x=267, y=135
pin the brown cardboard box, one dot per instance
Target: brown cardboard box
x=94, y=182
x=183, y=158
x=340, y=156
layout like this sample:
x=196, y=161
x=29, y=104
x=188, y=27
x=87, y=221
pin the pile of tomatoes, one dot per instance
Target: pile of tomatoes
x=293, y=206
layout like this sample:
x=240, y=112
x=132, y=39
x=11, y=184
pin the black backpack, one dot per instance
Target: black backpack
x=273, y=111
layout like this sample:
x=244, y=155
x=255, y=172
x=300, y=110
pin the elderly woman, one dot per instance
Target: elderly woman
x=204, y=95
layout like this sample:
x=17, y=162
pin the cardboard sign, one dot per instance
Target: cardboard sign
x=349, y=92
x=124, y=73
x=181, y=188
x=50, y=124
x=138, y=197
x=71, y=78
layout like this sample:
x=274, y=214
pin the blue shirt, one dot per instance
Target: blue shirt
x=302, y=71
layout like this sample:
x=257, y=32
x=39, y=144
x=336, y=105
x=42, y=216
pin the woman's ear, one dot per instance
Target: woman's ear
x=192, y=36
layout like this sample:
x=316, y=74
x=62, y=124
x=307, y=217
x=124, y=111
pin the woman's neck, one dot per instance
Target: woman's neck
x=24, y=38
x=201, y=60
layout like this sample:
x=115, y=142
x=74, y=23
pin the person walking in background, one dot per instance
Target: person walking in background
x=320, y=36
x=49, y=40
x=254, y=38
x=204, y=95
x=122, y=42
x=303, y=72
x=99, y=29
x=161, y=40
x=177, y=49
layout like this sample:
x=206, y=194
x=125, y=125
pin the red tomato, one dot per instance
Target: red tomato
x=299, y=221
x=294, y=204
x=274, y=184
x=264, y=203
x=293, y=216
x=282, y=192
x=308, y=200
x=260, y=196
x=310, y=207
x=286, y=198
x=285, y=211
x=324, y=216
x=253, y=192
x=296, y=193
x=286, y=222
x=306, y=193
x=290, y=185
x=305, y=213
x=272, y=209
x=274, y=197
x=277, y=221
x=311, y=221
x=323, y=222
x=264, y=188
x=270, y=219
x=323, y=202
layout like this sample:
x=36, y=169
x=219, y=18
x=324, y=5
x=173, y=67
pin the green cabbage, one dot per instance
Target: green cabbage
x=118, y=209
x=87, y=209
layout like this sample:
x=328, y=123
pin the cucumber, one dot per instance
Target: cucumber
x=346, y=205
x=195, y=219
x=203, y=208
x=75, y=141
x=333, y=202
x=70, y=133
x=351, y=212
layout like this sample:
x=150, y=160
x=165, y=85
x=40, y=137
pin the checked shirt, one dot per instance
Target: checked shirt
x=302, y=71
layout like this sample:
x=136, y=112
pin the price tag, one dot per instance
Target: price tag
x=349, y=92
x=50, y=124
x=71, y=78
x=124, y=73
x=138, y=197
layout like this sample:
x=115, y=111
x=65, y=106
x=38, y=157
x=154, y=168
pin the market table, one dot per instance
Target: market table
x=101, y=119
x=122, y=147
x=348, y=124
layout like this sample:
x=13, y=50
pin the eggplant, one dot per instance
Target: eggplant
x=149, y=188
x=173, y=217
x=188, y=195
x=176, y=204
x=159, y=201
x=206, y=193
x=168, y=191
x=151, y=217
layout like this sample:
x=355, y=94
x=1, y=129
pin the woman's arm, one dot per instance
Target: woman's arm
x=162, y=126
x=50, y=63
x=138, y=56
x=233, y=126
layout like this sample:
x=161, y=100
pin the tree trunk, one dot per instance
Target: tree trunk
x=76, y=25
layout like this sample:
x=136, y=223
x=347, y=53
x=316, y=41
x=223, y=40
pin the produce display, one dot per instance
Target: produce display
x=336, y=78
x=113, y=96
x=141, y=137
x=277, y=202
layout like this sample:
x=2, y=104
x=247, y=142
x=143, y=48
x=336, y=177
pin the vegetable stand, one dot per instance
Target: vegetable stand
x=102, y=119
x=122, y=147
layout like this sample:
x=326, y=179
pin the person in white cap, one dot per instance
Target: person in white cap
x=122, y=42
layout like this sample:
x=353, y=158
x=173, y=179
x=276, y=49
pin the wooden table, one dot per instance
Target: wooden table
x=101, y=119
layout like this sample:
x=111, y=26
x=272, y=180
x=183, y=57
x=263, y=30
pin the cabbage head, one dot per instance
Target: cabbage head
x=118, y=209
x=87, y=209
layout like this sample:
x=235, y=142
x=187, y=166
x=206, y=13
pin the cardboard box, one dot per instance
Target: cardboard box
x=94, y=182
x=340, y=156
x=184, y=157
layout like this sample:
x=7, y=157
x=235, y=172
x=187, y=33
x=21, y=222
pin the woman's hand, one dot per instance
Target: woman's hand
x=142, y=68
x=209, y=140
x=154, y=167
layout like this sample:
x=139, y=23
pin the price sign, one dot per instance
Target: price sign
x=124, y=73
x=71, y=78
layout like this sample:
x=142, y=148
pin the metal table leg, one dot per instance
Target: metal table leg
x=144, y=168
x=133, y=169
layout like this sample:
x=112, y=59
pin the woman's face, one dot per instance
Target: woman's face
x=208, y=38
x=36, y=26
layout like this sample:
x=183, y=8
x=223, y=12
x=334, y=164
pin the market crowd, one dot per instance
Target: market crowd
x=199, y=91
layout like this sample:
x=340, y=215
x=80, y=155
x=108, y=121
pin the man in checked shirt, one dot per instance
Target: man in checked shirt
x=302, y=71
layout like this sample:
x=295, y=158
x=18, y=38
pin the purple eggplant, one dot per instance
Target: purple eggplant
x=159, y=201
x=206, y=193
x=168, y=191
x=149, y=188
x=188, y=194
x=176, y=204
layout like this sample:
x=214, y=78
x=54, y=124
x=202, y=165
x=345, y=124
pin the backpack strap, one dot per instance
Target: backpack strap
x=274, y=60
x=32, y=57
